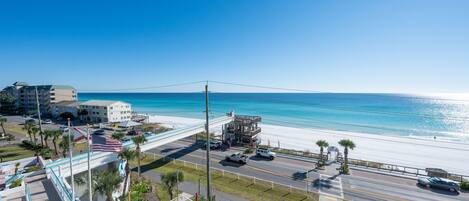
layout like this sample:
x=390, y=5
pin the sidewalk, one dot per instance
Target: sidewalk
x=192, y=188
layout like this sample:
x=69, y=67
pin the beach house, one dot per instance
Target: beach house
x=105, y=111
x=242, y=130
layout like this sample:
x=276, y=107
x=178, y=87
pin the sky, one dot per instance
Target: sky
x=402, y=46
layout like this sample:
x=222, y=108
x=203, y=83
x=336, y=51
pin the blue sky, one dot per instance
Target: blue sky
x=344, y=46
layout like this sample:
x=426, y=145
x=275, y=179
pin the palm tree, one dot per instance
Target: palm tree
x=41, y=133
x=322, y=144
x=35, y=130
x=64, y=145
x=118, y=135
x=171, y=180
x=127, y=155
x=106, y=182
x=56, y=135
x=138, y=140
x=28, y=127
x=52, y=134
x=347, y=144
x=2, y=121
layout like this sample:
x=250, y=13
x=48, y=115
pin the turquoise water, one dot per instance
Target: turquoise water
x=381, y=114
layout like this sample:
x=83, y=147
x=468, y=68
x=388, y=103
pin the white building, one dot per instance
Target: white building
x=100, y=111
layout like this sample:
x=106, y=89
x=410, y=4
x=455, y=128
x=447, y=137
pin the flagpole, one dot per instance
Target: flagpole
x=70, y=155
x=89, y=168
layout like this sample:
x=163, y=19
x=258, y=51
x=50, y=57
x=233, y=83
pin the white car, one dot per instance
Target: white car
x=237, y=157
x=266, y=153
x=47, y=121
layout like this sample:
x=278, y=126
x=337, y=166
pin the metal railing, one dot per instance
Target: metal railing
x=28, y=194
x=400, y=169
x=62, y=190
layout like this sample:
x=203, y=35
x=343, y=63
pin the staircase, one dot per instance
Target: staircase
x=40, y=188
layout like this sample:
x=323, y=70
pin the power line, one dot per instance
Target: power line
x=144, y=88
x=266, y=87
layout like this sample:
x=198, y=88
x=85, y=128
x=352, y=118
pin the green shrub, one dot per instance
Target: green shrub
x=249, y=151
x=16, y=183
x=465, y=185
x=33, y=168
x=27, y=144
x=46, y=153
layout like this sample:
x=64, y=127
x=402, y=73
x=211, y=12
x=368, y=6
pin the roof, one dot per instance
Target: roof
x=48, y=87
x=127, y=124
x=101, y=102
x=20, y=84
x=68, y=103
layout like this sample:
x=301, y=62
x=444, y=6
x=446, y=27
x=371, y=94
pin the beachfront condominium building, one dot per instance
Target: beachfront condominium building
x=102, y=111
x=25, y=98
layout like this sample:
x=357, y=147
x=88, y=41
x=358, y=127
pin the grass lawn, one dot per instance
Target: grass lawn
x=229, y=183
x=14, y=152
x=15, y=128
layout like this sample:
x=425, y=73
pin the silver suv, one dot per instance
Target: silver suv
x=266, y=153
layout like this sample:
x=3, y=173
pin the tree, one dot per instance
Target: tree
x=105, y=182
x=67, y=115
x=51, y=134
x=7, y=103
x=2, y=121
x=347, y=144
x=28, y=127
x=170, y=180
x=35, y=130
x=118, y=135
x=138, y=140
x=55, y=135
x=322, y=144
x=127, y=155
x=64, y=145
x=38, y=150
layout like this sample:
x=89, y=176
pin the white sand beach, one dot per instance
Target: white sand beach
x=407, y=151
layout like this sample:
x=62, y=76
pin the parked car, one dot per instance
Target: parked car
x=64, y=129
x=436, y=182
x=238, y=158
x=214, y=144
x=30, y=120
x=47, y=121
x=266, y=153
x=126, y=139
x=133, y=132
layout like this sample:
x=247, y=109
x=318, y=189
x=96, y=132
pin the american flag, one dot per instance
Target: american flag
x=106, y=144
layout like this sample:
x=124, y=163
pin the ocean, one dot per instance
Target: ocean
x=415, y=116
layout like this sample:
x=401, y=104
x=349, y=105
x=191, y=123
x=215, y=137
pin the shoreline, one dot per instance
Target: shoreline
x=405, y=151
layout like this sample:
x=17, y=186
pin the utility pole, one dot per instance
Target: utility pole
x=70, y=155
x=89, y=166
x=208, y=143
x=39, y=115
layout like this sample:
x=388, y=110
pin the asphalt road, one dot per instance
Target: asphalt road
x=360, y=185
